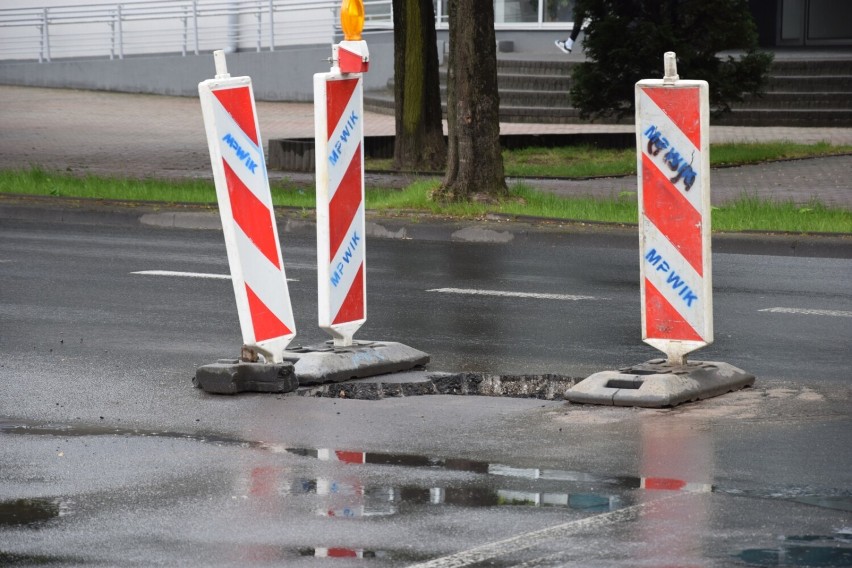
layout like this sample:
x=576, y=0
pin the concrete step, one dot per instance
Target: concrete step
x=550, y=115
x=784, y=100
x=779, y=67
x=521, y=81
x=811, y=67
x=528, y=97
x=531, y=67
x=810, y=83
x=553, y=99
x=787, y=117
x=510, y=97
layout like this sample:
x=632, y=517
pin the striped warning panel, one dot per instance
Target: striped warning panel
x=674, y=205
x=248, y=219
x=339, y=113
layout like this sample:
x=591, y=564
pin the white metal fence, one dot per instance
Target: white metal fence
x=115, y=30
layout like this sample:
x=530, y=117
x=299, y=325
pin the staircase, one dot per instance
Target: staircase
x=801, y=92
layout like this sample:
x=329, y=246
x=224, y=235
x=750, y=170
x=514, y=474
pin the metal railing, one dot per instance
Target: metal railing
x=172, y=26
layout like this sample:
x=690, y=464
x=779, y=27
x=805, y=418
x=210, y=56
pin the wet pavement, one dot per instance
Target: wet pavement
x=109, y=456
x=172, y=498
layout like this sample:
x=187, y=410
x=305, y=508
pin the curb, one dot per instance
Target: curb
x=401, y=225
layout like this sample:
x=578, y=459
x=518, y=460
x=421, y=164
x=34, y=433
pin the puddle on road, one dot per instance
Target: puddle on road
x=452, y=464
x=15, y=559
x=360, y=553
x=840, y=503
x=349, y=499
x=584, y=500
x=81, y=431
x=30, y=512
x=342, y=553
x=810, y=550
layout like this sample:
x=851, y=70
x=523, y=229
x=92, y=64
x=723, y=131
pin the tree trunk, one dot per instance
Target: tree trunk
x=419, y=143
x=474, y=161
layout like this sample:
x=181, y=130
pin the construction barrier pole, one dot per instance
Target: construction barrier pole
x=339, y=132
x=673, y=161
x=248, y=219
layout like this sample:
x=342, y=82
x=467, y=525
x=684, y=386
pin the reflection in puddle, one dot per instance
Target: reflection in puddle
x=471, y=466
x=811, y=550
x=649, y=482
x=30, y=512
x=342, y=553
x=349, y=499
x=398, y=556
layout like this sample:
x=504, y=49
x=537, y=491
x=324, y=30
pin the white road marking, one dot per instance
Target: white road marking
x=189, y=274
x=530, y=539
x=473, y=292
x=832, y=313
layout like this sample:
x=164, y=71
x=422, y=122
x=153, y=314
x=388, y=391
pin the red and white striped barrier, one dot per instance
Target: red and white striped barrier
x=672, y=137
x=245, y=205
x=673, y=167
x=341, y=261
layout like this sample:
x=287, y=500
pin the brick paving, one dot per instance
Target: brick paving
x=162, y=136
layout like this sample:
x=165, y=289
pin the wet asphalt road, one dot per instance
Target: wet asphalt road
x=109, y=457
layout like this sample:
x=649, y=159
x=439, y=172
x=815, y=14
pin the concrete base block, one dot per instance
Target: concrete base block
x=656, y=384
x=326, y=363
x=232, y=376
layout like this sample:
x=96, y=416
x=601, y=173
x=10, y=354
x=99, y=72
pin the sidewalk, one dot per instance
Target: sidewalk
x=160, y=136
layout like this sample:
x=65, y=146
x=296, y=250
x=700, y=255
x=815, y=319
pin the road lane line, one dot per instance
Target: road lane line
x=189, y=274
x=530, y=539
x=831, y=313
x=500, y=293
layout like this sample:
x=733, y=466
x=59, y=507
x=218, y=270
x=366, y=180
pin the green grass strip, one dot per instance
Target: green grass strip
x=745, y=214
x=589, y=161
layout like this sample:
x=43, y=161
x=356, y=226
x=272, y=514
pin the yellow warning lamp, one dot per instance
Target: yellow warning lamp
x=352, y=19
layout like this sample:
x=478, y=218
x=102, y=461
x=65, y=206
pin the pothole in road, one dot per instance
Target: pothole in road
x=546, y=387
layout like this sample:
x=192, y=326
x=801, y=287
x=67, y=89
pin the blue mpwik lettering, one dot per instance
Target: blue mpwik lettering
x=345, y=135
x=348, y=254
x=242, y=155
x=673, y=279
x=656, y=141
x=672, y=158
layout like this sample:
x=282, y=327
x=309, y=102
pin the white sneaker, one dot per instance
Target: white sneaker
x=564, y=46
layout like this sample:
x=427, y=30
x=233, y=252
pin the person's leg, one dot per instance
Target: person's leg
x=568, y=44
x=575, y=31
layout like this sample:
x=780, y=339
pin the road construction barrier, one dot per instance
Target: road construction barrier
x=341, y=259
x=245, y=205
x=250, y=233
x=673, y=161
x=673, y=170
